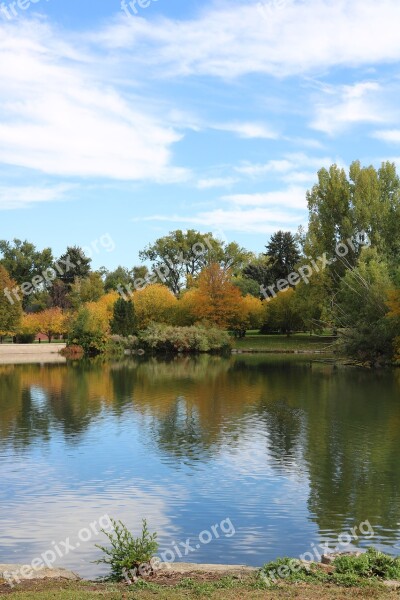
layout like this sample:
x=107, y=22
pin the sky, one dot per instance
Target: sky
x=121, y=123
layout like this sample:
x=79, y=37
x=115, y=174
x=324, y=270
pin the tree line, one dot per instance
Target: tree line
x=341, y=274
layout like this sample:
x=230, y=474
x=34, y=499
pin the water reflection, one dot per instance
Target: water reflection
x=294, y=451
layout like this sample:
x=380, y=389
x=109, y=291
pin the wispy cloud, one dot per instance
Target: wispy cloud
x=249, y=130
x=13, y=197
x=348, y=105
x=294, y=198
x=388, y=135
x=228, y=40
x=59, y=116
x=216, y=182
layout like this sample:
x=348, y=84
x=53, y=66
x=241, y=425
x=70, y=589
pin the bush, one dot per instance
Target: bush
x=163, y=338
x=371, y=564
x=127, y=553
x=26, y=338
x=72, y=352
x=86, y=330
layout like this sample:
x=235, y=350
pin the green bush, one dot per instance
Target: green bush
x=371, y=564
x=127, y=553
x=195, y=339
x=87, y=331
x=349, y=570
x=26, y=338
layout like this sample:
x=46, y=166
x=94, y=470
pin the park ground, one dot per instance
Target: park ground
x=214, y=589
x=299, y=342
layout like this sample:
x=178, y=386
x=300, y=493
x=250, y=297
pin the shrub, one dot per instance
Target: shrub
x=26, y=338
x=162, y=338
x=72, y=352
x=371, y=564
x=87, y=331
x=127, y=553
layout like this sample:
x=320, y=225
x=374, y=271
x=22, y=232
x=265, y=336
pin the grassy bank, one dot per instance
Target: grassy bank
x=227, y=589
x=280, y=343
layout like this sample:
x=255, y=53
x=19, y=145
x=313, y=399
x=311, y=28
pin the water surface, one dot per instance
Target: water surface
x=294, y=453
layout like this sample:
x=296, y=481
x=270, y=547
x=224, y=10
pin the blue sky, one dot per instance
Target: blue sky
x=207, y=115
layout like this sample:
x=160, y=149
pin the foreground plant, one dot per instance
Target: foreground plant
x=127, y=553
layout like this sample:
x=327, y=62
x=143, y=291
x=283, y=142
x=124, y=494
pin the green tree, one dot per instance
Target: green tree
x=23, y=261
x=88, y=289
x=284, y=314
x=123, y=322
x=259, y=271
x=283, y=254
x=10, y=307
x=73, y=264
x=181, y=256
x=361, y=309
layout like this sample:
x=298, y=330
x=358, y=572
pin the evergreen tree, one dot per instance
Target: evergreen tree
x=123, y=322
x=284, y=255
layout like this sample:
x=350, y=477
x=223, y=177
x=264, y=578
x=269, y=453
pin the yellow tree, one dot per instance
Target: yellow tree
x=29, y=325
x=51, y=322
x=10, y=306
x=216, y=299
x=154, y=303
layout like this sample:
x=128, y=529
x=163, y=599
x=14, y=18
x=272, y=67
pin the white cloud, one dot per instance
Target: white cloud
x=294, y=198
x=294, y=167
x=232, y=39
x=258, y=220
x=248, y=130
x=349, y=104
x=60, y=117
x=389, y=135
x=22, y=197
x=216, y=182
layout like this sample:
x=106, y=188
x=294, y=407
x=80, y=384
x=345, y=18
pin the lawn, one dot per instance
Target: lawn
x=279, y=343
x=226, y=589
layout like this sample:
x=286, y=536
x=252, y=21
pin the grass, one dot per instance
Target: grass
x=223, y=589
x=270, y=343
x=349, y=577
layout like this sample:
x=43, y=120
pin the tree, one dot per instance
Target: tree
x=123, y=322
x=259, y=271
x=283, y=255
x=28, y=328
x=23, y=261
x=283, y=314
x=73, y=264
x=215, y=298
x=51, y=322
x=120, y=277
x=10, y=307
x=343, y=207
x=361, y=309
x=88, y=289
x=181, y=256
x=154, y=303
x=26, y=265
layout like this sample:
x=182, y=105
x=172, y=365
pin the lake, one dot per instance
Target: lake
x=281, y=453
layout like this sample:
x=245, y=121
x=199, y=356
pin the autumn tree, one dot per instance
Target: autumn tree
x=181, y=256
x=154, y=303
x=215, y=298
x=51, y=322
x=10, y=307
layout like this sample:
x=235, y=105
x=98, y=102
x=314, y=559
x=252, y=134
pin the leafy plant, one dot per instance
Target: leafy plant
x=127, y=553
x=371, y=564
